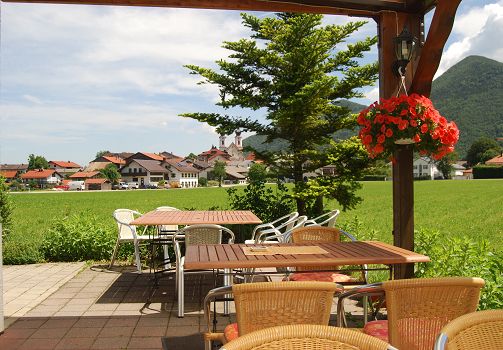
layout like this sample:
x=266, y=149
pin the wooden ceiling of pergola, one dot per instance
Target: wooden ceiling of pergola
x=366, y=8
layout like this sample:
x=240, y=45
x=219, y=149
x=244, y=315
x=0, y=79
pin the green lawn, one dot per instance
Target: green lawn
x=473, y=208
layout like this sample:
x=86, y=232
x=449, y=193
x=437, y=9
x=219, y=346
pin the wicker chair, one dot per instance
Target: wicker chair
x=477, y=330
x=306, y=337
x=418, y=308
x=190, y=235
x=267, y=304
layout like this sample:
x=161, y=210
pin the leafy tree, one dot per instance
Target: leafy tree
x=192, y=156
x=483, y=149
x=37, y=162
x=219, y=172
x=444, y=165
x=5, y=207
x=203, y=182
x=101, y=154
x=296, y=71
x=111, y=173
x=257, y=173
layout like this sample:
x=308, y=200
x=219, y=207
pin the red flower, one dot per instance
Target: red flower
x=405, y=117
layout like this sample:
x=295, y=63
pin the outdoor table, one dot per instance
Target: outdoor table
x=195, y=217
x=232, y=256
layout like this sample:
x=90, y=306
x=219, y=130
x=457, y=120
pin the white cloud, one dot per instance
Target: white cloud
x=479, y=31
x=32, y=99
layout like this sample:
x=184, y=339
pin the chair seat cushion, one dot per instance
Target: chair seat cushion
x=323, y=276
x=231, y=332
x=378, y=329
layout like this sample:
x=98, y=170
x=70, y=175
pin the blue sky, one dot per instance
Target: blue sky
x=79, y=79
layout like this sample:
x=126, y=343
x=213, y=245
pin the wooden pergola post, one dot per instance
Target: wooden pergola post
x=390, y=24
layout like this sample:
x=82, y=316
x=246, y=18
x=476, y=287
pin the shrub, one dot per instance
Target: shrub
x=374, y=178
x=5, y=207
x=462, y=256
x=212, y=183
x=487, y=172
x=174, y=184
x=18, y=252
x=79, y=237
x=203, y=182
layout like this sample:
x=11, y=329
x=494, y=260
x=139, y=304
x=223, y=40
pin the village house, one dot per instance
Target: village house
x=146, y=172
x=102, y=161
x=42, y=177
x=12, y=171
x=64, y=168
x=97, y=184
x=497, y=161
x=9, y=175
x=181, y=175
x=84, y=175
x=213, y=155
x=425, y=168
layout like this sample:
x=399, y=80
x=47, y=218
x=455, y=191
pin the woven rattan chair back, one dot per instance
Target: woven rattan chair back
x=306, y=337
x=268, y=304
x=202, y=234
x=419, y=308
x=316, y=234
x=477, y=330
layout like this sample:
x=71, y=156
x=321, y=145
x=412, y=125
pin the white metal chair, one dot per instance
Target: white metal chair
x=128, y=233
x=195, y=234
x=287, y=221
x=327, y=219
x=280, y=234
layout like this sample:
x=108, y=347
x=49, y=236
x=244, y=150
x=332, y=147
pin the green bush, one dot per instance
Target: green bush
x=374, y=178
x=203, y=182
x=462, y=256
x=487, y=172
x=212, y=183
x=21, y=252
x=5, y=208
x=79, y=237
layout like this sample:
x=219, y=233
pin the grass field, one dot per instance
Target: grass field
x=473, y=208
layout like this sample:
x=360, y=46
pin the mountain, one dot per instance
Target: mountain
x=471, y=94
x=258, y=141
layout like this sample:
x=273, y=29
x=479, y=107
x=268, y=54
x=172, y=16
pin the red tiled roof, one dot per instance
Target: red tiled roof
x=95, y=181
x=115, y=160
x=153, y=156
x=38, y=174
x=498, y=160
x=84, y=174
x=8, y=174
x=63, y=164
x=65, y=182
x=214, y=151
x=250, y=156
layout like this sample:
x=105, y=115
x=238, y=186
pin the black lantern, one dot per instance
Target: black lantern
x=405, y=45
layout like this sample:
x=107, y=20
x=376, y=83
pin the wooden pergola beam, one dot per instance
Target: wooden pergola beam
x=362, y=8
x=440, y=29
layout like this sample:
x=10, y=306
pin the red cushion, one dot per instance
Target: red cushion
x=378, y=329
x=324, y=276
x=231, y=332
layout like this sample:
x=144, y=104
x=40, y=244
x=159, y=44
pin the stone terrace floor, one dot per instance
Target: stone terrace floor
x=53, y=306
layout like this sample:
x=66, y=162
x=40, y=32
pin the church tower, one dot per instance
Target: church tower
x=222, y=143
x=237, y=140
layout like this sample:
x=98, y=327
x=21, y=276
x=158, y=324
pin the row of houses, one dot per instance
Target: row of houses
x=146, y=169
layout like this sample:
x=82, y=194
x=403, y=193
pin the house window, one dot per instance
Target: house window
x=130, y=170
x=173, y=175
x=425, y=166
x=415, y=166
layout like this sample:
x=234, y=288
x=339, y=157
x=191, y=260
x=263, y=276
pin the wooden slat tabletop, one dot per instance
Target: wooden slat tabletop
x=220, y=256
x=194, y=217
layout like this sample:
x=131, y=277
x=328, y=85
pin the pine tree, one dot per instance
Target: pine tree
x=296, y=71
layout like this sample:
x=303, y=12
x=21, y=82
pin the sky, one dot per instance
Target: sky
x=77, y=79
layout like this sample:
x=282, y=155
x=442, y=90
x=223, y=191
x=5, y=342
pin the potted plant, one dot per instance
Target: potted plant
x=406, y=120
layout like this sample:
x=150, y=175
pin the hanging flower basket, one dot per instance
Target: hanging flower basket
x=406, y=120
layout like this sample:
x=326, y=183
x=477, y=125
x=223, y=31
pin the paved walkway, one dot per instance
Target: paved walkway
x=26, y=286
x=103, y=309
